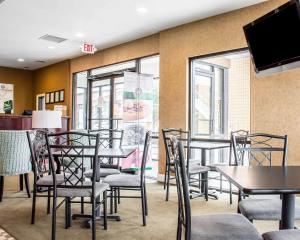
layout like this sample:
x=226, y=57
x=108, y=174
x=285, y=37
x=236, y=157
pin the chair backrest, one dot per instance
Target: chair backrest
x=261, y=149
x=181, y=135
x=145, y=155
x=70, y=148
x=238, y=133
x=184, y=207
x=14, y=153
x=39, y=154
x=108, y=138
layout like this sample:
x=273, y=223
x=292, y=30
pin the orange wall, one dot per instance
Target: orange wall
x=22, y=81
x=52, y=78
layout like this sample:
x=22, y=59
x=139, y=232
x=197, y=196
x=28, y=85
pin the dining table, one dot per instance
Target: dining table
x=268, y=180
x=205, y=146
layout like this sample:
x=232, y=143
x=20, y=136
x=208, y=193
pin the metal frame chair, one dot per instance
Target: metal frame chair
x=259, y=148
x=71, y=147
x=214, y=226
x=193, y=166
x=133, y=182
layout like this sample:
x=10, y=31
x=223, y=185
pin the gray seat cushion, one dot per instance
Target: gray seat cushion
x=82, y=192
x=104, y=172
x=223, y=227
x=197, y=168
x=282, y=235
x=263, y=209
x=123, y=180
x=47, y=180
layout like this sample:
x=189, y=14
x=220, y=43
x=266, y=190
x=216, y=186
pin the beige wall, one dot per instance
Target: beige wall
x=52, y=78
x=274, y=99
x=22, y=81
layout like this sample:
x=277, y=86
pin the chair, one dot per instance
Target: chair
x=133, y=182
x=282, y=235
x=109, y=138
x=237, y=134
x=193, y=166
x=14, y=158
x=261, y=149
x=205, y=227
x=68, y=146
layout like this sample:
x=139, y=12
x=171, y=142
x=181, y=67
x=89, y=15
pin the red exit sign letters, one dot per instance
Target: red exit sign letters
x=88, y=48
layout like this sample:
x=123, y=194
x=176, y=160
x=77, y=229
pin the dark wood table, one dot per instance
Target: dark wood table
x=205, y=147
x=268, y=180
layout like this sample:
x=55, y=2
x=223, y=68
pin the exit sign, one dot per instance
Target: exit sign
x=88, y=48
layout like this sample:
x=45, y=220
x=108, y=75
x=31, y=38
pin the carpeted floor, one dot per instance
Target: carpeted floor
x=15, y=211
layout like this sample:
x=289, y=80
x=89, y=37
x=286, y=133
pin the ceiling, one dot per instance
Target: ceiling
x=103, y=23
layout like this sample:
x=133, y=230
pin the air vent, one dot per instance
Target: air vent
x=52, y=38
x=40, y=61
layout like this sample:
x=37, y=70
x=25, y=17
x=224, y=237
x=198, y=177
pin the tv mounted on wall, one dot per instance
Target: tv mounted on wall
x=274, y=39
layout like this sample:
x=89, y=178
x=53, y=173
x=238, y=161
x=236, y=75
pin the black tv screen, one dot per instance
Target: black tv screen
x=274, y=39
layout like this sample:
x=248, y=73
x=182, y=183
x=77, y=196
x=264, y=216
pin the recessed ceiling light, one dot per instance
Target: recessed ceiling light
x=51, y=47
x=21, y=60
x=142, y=10
x=79, y=34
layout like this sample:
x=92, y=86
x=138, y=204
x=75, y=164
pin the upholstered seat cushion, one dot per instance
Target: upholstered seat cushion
x=282, y=235
x=263, y=209
x=195, y=168
x=223, y=227
x=104, y=172
x=123, y=180
x=82, y=192
x=47, y=180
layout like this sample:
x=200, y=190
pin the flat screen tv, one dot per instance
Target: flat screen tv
x=274, y=39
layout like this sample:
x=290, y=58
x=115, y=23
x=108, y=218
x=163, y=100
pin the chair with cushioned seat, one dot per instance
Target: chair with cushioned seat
x=194, y=167
x=227, y=226
x=133, y=182
x=14, y=158
x=68, y=146
x=282, y=235
x=261, y=149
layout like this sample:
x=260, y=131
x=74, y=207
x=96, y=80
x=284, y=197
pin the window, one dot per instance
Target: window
x=80, y=101
x=208, y=95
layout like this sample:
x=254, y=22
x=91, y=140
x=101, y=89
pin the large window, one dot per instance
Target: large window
x=219, y=94
x=98, y=98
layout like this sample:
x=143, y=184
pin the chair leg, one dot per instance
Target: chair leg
x=116, y=198
x=82, y=206
x=1, y=187
x=239, y=199
x=93, y=218
x=206, y=187
x=146, y=200
x=105, y=210
x=230, y=193
x=21, y=182
x=143, y=206
x=26, y=178
x=166, y=170
x=66, y=214
x=119, y=196
x=111, y=200
x=48, y=200
x=179, y=229
x=69, y=212
x=33, y=205
x=168, y=185
x=53, y=232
